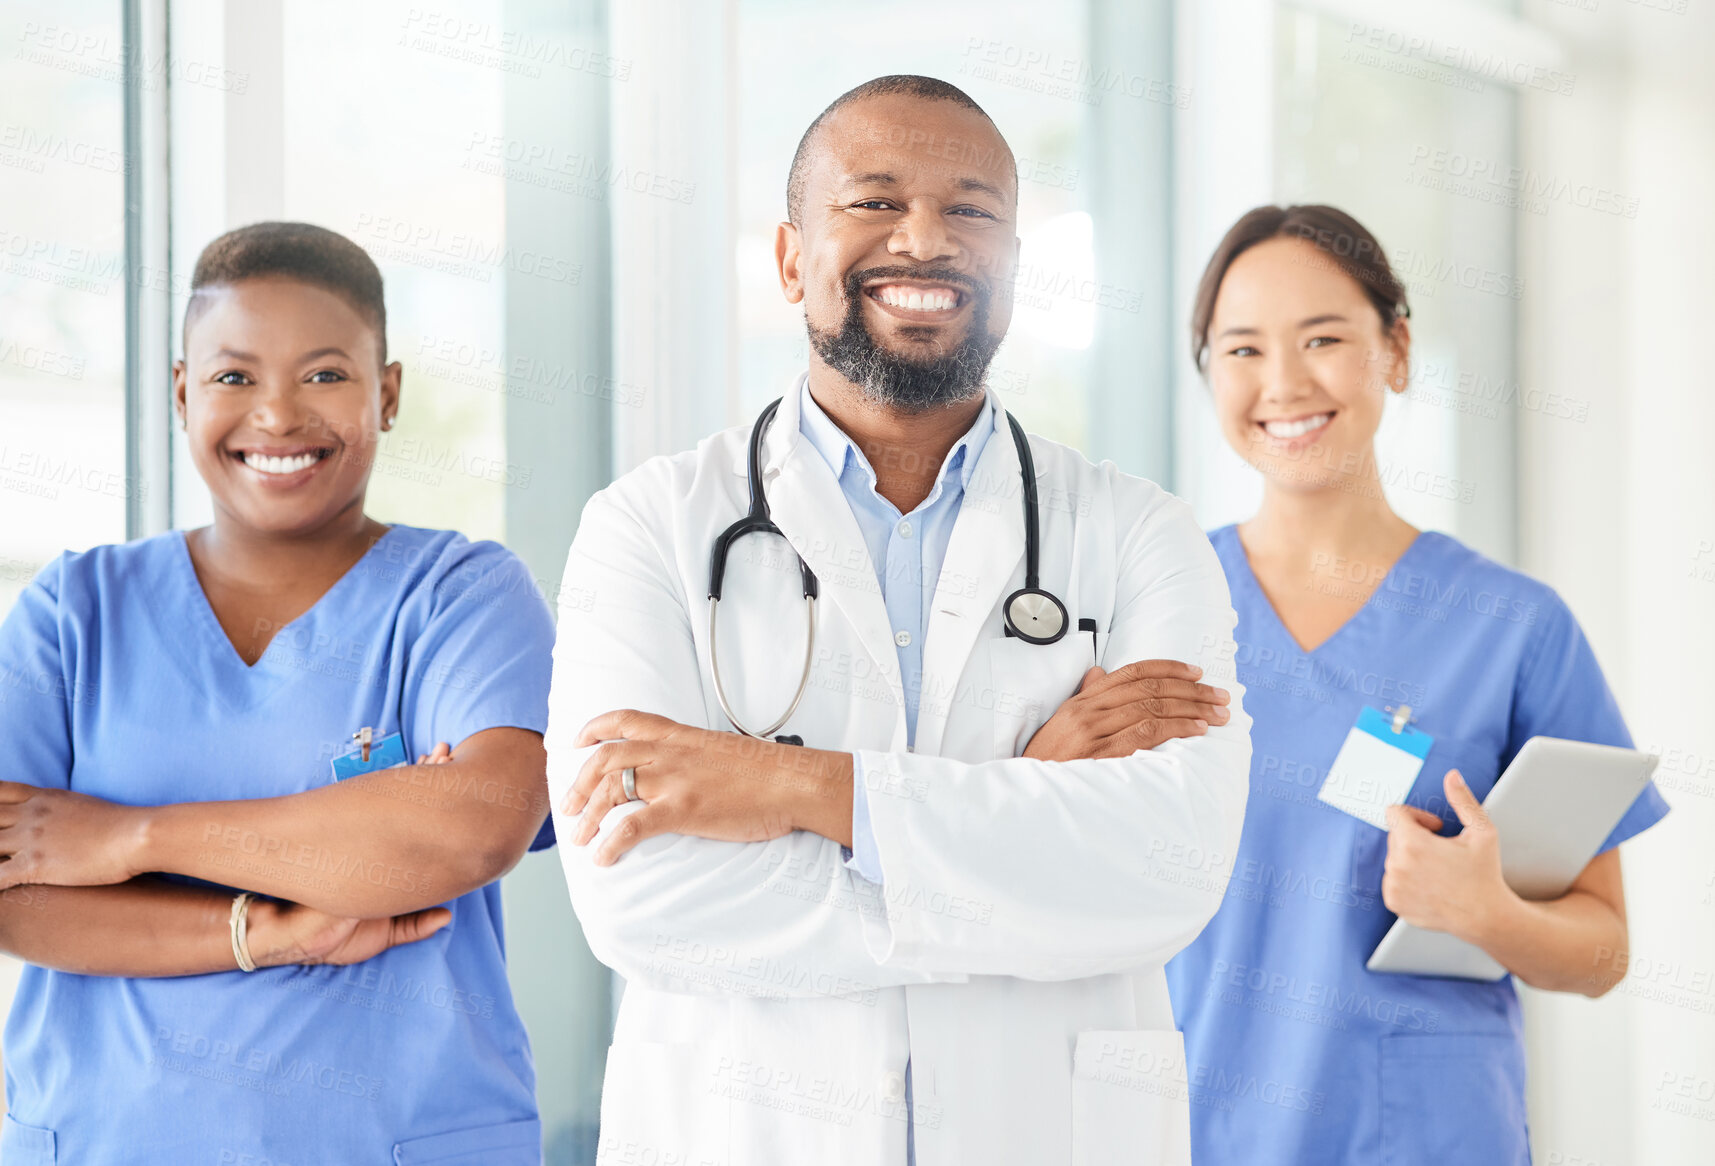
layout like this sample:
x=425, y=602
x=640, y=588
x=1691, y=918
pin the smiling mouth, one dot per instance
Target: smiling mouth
x=928, y=299
x=1296, y=427
x=282, y=464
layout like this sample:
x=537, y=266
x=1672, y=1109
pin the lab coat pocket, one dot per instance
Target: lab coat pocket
x=512, y=1143
x=22, y=1145
x=1453, y=1097
x=1130, y=1099
x=666, y=1102
x=1028, y=684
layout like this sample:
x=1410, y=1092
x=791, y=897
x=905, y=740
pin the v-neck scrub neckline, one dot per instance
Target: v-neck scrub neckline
x=1240, y=573
x=210, y=621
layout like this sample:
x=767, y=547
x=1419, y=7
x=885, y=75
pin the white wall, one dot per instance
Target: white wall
x=1619, y=514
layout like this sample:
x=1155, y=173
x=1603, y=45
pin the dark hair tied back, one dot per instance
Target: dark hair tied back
x=1347, y=243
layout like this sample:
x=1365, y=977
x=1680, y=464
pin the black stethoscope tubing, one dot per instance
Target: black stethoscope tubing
x=1031, y=613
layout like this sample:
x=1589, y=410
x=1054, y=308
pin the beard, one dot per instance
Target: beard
x=908, y=384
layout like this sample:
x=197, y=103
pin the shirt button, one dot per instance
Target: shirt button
x=903, y=639
x=904, y=528
x=893, y=1087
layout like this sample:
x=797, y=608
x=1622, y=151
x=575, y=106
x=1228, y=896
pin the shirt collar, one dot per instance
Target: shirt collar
x=841, y=452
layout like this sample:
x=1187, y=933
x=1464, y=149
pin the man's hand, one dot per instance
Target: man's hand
x=699, y=782
x=1445, y=884
x=1139, y=706
x=291, y=933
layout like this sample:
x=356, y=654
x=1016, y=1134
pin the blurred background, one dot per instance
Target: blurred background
x=573, y=204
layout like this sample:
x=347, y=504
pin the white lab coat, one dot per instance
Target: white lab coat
x=1014, y=951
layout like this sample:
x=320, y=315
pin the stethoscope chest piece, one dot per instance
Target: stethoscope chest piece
x=1035, y=616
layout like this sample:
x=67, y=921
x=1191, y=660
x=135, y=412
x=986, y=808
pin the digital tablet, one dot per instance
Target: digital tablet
x=1555, y=804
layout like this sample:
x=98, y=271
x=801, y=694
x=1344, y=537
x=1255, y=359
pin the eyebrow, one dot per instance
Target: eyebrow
x=887, y=178
x=982, y=187
x=1307, y=323
x=234, y=354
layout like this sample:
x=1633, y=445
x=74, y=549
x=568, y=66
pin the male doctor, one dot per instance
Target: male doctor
x=934, y=931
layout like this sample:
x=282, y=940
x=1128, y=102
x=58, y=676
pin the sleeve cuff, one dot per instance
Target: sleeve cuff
x=862, y=856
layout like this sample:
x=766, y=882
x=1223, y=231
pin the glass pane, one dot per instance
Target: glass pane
x=62, y=284
x=406, y=182
x=1381, y=134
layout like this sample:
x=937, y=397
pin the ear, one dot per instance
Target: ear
x=391, y=378
x=788, y=258
x=179, y=392
x=1399, y=337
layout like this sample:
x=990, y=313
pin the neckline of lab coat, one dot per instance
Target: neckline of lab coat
x=987, y=547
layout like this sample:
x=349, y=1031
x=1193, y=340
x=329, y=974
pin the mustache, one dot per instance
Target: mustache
x=939, y=273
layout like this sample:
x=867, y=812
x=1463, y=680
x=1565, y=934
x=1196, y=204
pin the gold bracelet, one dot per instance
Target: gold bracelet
x=238, y=922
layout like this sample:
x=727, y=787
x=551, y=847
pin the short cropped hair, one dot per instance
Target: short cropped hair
x=909, y=84
x=301, y=251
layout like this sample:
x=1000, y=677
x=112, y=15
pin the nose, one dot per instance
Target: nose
x=922, y=234
x=1286, y=376
x=277, y=407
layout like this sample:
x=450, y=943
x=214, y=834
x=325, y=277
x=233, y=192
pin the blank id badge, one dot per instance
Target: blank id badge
x=1376, y=766
x=370, y=754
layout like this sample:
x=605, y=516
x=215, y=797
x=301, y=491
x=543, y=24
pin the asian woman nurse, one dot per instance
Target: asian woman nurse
x=1297, y=1054
x=179, y=716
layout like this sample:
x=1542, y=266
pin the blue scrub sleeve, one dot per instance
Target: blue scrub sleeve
x=864, y=857
x=485, y=658
x=1562, y=693
x=37, y=698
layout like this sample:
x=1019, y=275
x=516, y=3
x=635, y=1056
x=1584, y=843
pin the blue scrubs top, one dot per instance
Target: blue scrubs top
x=117, y=680
x=1297, y=1054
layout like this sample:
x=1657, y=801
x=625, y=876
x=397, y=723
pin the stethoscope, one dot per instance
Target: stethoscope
x=1032, y=614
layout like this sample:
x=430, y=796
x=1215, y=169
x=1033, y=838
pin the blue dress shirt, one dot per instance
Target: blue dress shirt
x=907, y=551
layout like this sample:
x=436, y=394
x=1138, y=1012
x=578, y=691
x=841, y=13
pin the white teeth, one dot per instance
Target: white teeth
x=280, y=465
x=916, y=299
x=1290, y=429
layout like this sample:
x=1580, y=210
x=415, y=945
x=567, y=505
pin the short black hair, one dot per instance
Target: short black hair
x=909, y=84
x=301, y=251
